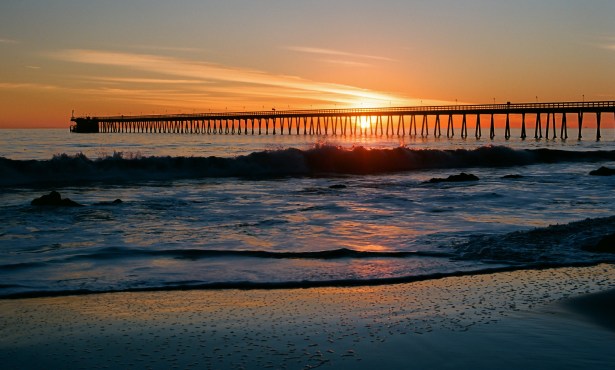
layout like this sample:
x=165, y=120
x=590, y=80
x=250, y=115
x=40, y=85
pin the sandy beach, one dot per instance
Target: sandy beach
x=555, y=318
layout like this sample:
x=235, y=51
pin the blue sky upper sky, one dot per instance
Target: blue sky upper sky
x=133, y=56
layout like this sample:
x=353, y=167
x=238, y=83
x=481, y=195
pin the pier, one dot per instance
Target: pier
x=389, y=121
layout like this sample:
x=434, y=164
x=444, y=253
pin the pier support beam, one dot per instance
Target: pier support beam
x=402, y=124
x=478, y=131
x=492, y=128
x=424, y=127
x=598, y=136
x=538, y=129
x=564, y=129
x=450, y=131
x=580, y=120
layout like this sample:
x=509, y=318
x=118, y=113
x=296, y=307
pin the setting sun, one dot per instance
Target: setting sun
x=364, y=123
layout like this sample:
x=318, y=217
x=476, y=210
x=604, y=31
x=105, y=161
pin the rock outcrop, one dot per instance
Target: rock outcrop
x=603, y=171
x=54, y=199
x=454, y=178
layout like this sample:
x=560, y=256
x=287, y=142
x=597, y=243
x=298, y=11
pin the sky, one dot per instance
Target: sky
x=155, y=57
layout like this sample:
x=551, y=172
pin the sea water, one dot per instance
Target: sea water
x=207, y=211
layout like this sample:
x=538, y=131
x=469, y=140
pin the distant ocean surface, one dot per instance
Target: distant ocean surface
x=206, y=211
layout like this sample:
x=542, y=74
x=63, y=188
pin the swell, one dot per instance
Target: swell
x=342, y=283
x=112, y=253
x=320, y=160
x=209, y=253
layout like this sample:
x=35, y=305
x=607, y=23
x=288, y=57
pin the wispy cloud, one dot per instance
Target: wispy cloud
x=604, y=42
x=166, y=48
x=348, y=63
x=162, y=81
x=215, y=79
x=26, y=85
x=8, y=41
x=32, y=67
x=339, y=53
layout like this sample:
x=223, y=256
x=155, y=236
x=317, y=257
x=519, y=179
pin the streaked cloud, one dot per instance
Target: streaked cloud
x=605, y=42
x=348, y=63
x=32, y=67
x=166, y=48
x=26, y=85
x=215, y=78
x=331, y=52
x=8, y=41
x=143, y=80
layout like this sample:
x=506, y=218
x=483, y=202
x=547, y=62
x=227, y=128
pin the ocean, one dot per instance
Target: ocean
x=207, y=211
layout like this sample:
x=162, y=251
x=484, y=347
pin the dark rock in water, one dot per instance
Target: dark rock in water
x=117, y=201
x=512, y=177
x=455, y=178
x=54, y=199
x=603, y=171
x=338, y=186
x=605, y=245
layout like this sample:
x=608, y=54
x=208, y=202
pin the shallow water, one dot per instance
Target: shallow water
x=199, y=210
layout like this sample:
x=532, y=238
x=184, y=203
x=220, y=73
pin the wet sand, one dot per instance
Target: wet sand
x=533, y=319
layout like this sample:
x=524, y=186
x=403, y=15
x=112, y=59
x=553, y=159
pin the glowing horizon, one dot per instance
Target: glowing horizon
x=413, y=53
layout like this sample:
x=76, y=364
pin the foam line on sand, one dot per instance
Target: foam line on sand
x=508, y=320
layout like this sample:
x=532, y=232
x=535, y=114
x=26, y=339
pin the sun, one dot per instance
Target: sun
x=364, y=123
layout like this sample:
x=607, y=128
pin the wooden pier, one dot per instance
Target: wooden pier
x=390, y=121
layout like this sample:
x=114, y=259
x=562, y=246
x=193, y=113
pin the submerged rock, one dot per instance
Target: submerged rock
x=455, y=178
x=338, y=186
x=512, y=176
x=605, y=245
x=603, y=171
x=117, y=201
x=54, y=199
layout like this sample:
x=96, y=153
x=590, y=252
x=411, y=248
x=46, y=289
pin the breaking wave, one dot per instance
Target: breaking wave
x=321, y=160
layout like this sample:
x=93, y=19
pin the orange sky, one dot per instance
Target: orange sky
x=147, y=57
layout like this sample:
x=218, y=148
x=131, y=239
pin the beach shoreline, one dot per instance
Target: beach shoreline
x=536, y=318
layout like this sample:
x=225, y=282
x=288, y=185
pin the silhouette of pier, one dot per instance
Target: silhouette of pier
x=389, y=121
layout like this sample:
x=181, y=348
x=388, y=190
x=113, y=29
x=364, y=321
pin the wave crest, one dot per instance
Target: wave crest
x=320, y=160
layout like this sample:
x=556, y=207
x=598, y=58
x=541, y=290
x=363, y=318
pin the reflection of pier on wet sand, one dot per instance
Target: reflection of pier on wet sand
x=390, y=121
